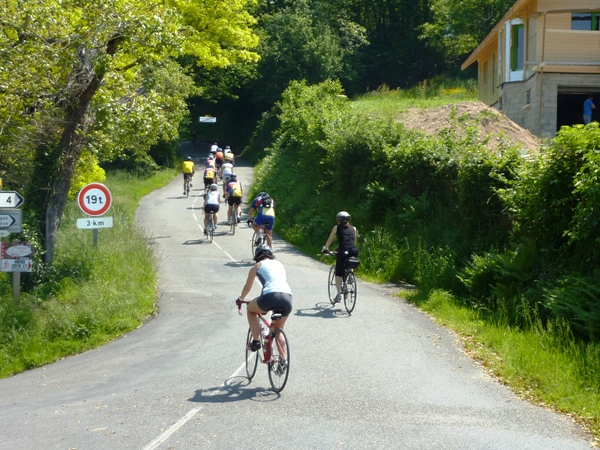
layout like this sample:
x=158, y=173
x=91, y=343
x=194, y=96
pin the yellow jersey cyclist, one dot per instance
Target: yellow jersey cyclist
x=228, y=155
x=210, y=176
x=188, y=169
x=233, y=195
x=264, y=206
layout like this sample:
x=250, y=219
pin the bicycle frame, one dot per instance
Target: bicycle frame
x=275, y=351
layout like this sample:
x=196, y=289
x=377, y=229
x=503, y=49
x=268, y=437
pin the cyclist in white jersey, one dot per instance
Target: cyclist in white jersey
x=227, y=171
x=276, y=293
x=211, y=204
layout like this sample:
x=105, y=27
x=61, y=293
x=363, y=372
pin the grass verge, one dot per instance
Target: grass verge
x=92, y=294
x=543, y=364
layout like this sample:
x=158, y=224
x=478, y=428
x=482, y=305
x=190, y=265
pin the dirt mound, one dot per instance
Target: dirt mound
x=462, y=115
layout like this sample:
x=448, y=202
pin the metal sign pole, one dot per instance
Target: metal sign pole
x=95, y=237
x=16, y=286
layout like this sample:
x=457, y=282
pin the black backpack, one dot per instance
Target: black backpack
x=266, y=201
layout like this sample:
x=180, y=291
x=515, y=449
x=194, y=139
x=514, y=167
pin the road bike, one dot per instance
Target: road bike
x=188, y=184
x=274, y=350
x=349, y=290
x=234, y=219
x=259, y=237
x=210, y=228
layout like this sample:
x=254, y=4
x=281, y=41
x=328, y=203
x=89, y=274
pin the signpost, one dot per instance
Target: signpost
x=15, y=257
x=11, y=220
x=95, y=200
x=10, y=199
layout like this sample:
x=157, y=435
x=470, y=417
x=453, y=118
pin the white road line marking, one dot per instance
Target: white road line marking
x=181, y=422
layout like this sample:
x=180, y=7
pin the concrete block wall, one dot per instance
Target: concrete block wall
x=528, y=115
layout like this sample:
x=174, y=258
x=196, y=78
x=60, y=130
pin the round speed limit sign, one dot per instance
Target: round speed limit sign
x=94, y=199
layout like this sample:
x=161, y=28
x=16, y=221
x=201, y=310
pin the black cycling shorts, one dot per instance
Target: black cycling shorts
x=341, y=258
x=278, y=302
x=211, y=208
x=231, y=200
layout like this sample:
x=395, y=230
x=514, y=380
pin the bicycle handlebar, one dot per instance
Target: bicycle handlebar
x=239, y=302
x=332, y=253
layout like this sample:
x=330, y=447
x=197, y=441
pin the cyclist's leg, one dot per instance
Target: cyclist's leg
x=269, y=223
x=340, y=264
x=215, y=216
x=252, y=312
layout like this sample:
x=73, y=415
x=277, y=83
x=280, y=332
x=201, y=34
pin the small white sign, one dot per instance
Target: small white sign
x=93, y=222
x=17, y=265
x=10, y=199
x=208, y=119
x=4, y=233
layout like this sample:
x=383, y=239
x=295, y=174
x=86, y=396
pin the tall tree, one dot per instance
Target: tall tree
x=458, y=26
x=303, y=40
x=102, y=76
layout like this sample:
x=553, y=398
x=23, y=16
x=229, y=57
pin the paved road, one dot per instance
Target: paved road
x=385, y=377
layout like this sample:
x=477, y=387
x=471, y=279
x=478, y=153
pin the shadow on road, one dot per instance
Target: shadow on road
x=323, y=311
x=235, y=389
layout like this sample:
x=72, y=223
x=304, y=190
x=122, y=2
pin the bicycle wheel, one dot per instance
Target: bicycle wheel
x=331, y=289
x=187, y=187
x=251, y=357
x=233, y=220
x=279, y=367
x=350, y=294
x=254, y=244
x=211, y=229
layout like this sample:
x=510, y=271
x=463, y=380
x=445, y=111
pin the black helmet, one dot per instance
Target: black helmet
x=189, y=158
x=261, y=250
x=343, y=216
x=232, y=177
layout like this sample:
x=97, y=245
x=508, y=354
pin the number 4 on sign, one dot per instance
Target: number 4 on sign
x=10, y=199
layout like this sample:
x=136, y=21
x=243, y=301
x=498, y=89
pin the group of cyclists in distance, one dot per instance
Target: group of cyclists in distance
x=217, y=165
x=276, y=294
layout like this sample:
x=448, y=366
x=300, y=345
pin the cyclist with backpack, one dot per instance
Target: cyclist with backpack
x=264, y=206
x=233, y=195
x=346, y=235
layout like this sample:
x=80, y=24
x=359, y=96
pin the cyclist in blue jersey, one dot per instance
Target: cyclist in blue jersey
x=264, y=206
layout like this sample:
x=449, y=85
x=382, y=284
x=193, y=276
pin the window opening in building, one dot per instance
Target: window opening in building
x=528, y=97
x=585, y=21
x=518, y=47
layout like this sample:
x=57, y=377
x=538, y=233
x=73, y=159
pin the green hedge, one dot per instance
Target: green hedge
x=503, y=230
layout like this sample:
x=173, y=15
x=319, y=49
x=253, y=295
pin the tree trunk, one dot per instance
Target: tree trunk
x=77, y=120
x=83, y=85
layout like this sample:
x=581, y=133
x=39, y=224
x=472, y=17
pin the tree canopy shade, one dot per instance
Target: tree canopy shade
x=101, y=77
